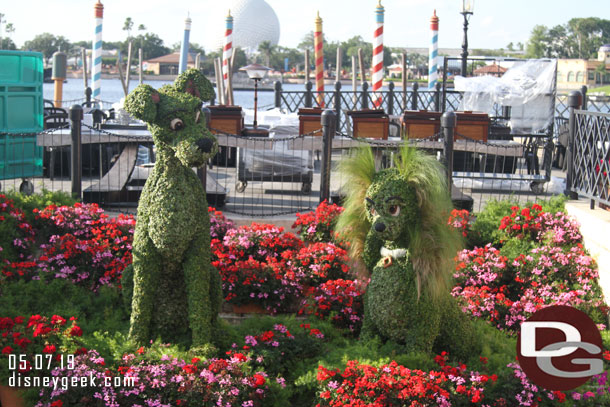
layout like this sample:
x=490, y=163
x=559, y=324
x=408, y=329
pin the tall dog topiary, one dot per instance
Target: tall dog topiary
x=396, y=222
x=176, y=291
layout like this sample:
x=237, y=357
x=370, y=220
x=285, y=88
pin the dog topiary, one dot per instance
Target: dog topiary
x=396, y=222
x=176, y=291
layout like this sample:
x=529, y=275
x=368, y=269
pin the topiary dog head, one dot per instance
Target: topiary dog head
x=391, y=206
x=174, y=117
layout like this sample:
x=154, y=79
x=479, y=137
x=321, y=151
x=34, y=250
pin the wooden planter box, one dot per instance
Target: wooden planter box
x=472, y=125
x=310, y=119
x=369, y=123
x=227, y=119
x=421, y=123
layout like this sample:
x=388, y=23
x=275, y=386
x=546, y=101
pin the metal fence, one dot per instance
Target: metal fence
x=588, y=152
x=290, y=172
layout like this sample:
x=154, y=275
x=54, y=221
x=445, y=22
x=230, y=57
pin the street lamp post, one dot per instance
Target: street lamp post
x=256, y=72
x=467, y=11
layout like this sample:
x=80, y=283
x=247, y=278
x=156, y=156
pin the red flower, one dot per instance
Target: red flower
x=7, y=350
x=141, y=350
x=57, y=403
x=56, y=319
x=189, y=369
x=49, y=349
x=258, y=379
x=76, y=331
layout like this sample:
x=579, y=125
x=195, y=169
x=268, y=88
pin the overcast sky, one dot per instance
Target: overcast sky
x=494, y=24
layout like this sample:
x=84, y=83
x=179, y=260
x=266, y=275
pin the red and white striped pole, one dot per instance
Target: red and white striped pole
x=318, y=45
x=377, y=77
x=227, y=49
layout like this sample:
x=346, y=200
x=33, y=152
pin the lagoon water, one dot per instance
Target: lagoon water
x=112, y=92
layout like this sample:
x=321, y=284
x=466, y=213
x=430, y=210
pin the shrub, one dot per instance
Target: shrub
x=34, y=345
x=317, y=263
x=318, y=226
x=99, y=310
x=340, y=301
x=279, y=349
x=505, y=292
x=252, y=269
x=234, y=381
x=27, y=203
x=85, y=246
x=16, y=239
x=219, y=224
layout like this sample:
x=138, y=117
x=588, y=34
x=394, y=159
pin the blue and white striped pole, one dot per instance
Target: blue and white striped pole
x=433, y=59
x=96, y=55
x=184, y=48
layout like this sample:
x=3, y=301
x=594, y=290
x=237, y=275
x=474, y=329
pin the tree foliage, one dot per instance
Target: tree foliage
x=48, y=44
x=578, y=38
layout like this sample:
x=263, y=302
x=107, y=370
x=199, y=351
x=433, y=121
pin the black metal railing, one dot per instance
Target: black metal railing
x=588, y=166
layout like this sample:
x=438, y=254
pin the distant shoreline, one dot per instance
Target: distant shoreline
x=264, y=87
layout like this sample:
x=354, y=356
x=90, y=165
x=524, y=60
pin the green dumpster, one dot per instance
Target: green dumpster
x=21, y=115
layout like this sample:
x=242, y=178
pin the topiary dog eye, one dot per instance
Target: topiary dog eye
x=394, y=210
x=197, y=116
x=176, y=124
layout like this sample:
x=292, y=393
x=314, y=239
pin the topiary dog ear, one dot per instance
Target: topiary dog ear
x=195, y=83
x=142, y=103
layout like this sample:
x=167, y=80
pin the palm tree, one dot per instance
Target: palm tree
x=128, y=26
x=267, y=49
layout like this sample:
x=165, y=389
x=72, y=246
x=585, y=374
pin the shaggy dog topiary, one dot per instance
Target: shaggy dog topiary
x=396, y=222
x=176, y=291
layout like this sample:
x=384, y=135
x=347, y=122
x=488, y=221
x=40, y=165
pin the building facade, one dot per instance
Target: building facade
x=574, y=73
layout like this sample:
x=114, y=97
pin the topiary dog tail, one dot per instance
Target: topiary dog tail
x=358, y=171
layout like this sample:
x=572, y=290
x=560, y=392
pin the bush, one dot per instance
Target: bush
x=318, y=226
x=101, y=311
x=16, y=239
x=317, y=263
x=340, y=301
x=252, y=269
x=27, y=203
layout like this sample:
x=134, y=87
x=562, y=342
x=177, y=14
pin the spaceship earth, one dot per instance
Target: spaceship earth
x=254, y=21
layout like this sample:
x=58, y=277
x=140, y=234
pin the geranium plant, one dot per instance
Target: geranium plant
x=141, y=379
x=86, y=246
x=318, y=226
x=340, y=300
x=219, y=224
x=33, y=346
x=317, y=263
x=16, y=238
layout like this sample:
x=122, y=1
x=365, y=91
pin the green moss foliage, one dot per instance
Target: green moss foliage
x=396, y=221
x=96, y=311
x=176, y=291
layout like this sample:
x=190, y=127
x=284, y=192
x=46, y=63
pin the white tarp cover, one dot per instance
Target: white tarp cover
x=529, y=87
x=279, y=160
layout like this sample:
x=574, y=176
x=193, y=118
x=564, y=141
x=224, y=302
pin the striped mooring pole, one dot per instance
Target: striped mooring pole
x=433, y=58
x=96, y=55
x=227, y=50
x=377, y=77
x=184, y=48
x=318, y=44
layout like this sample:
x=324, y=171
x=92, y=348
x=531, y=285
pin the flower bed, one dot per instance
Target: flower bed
x=532, y=258
x=232, y=381
x=33, y=346
x=555, y=271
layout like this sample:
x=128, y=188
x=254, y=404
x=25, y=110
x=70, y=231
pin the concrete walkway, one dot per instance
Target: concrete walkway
x=595, y=229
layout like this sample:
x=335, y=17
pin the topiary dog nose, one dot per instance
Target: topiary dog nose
x=379, y=227
x=205, y=144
